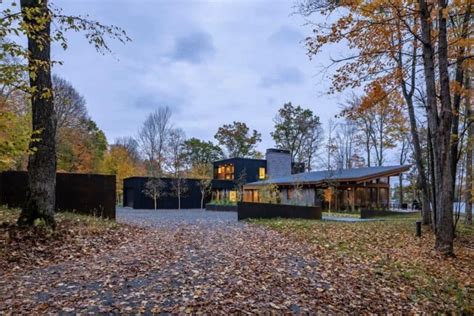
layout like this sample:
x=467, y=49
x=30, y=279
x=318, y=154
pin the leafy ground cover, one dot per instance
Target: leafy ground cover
x=184, y=265
x=76, y=236
x=382, y=260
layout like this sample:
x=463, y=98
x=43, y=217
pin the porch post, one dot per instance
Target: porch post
x=377, y=191
x=354, y=192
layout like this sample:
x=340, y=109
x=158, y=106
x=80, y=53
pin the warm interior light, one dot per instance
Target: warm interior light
x=233, y=196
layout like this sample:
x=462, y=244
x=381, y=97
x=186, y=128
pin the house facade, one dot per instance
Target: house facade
x=244, y=179
x=342, y=189
x=230, y=175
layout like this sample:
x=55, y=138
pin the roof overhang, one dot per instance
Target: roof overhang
x=375, y=175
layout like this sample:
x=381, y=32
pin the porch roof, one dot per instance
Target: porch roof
x=341, y=175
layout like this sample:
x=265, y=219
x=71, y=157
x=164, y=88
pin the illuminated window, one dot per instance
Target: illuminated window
x=261, y=173
x=225, y=172
x=255, y=196
x=233, y=196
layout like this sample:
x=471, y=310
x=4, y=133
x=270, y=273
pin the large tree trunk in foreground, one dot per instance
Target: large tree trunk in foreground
x=40, y=202
x=440, y=124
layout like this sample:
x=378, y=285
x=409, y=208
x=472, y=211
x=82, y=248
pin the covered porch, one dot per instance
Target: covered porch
x=341, y=190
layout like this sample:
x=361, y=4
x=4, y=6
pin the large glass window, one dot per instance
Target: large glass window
x=225, y=172
x=261, y=173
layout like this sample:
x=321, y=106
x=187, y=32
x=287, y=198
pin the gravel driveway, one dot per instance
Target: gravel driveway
x=185, y=261
x=192, y=261
x=164, y=218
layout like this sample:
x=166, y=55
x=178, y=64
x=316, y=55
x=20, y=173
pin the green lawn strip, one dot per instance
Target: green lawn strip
x=341, y=214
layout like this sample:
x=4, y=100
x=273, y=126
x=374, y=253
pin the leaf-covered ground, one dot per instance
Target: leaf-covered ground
x=90, y=265
x=384, y=263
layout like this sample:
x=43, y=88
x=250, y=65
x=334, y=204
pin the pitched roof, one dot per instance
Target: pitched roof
x=340, y=175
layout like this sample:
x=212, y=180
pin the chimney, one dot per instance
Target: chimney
x=278, y=163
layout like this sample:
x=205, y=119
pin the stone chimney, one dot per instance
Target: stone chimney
x=278, y=163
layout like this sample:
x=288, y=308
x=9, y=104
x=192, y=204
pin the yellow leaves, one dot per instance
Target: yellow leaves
x=118, y=162
x=15, y=136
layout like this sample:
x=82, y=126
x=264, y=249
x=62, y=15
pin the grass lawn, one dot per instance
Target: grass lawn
x=76, y=236
x=384, y=258
x=341, y=214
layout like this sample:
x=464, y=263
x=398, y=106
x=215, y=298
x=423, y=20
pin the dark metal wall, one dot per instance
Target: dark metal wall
x=265, y=210
x=250, y=166
x=90, y=194
x=135, y=198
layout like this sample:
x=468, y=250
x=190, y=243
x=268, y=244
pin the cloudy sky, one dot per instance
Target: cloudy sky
x=211, y=62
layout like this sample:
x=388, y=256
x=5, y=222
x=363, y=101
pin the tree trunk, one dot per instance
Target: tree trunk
x=441, y=124
x=154, y=201
x=469, y=154
x=400, y=180
x=425, y=195
x=367, y=147
x=408, y=96
x=202, y=200
x=445, y=233
x=431, y=170
x=41, y=193
x=459, y=79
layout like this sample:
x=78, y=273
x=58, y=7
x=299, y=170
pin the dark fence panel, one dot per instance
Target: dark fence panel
x=134, y=196
x=221, y=208
x=265, y=210
x=90, y=194
x=379, y=213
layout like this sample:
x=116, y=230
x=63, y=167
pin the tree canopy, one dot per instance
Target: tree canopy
x=238, y=140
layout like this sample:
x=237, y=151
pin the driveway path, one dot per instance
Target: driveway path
x=194, y=261
x=187, y=261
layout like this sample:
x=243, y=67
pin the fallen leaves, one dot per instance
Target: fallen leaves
x=75, y=237
x=291, y=267
x=383, y=264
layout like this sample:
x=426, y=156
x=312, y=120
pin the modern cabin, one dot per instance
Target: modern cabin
x=343, y=189
x=234, y=172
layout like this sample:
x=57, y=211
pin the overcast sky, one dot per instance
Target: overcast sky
x=211, y=62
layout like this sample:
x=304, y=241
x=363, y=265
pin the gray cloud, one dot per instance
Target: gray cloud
x=151, y=102
x=282, y=76
x=287, y=35
x=200, y=59
x=194, y=48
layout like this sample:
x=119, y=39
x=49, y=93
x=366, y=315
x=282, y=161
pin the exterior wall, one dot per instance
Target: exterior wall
x=278, y=163
x=306, y=196
x=89, y=194
x=134, y=197
x=247, y=210
x=249, y=166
